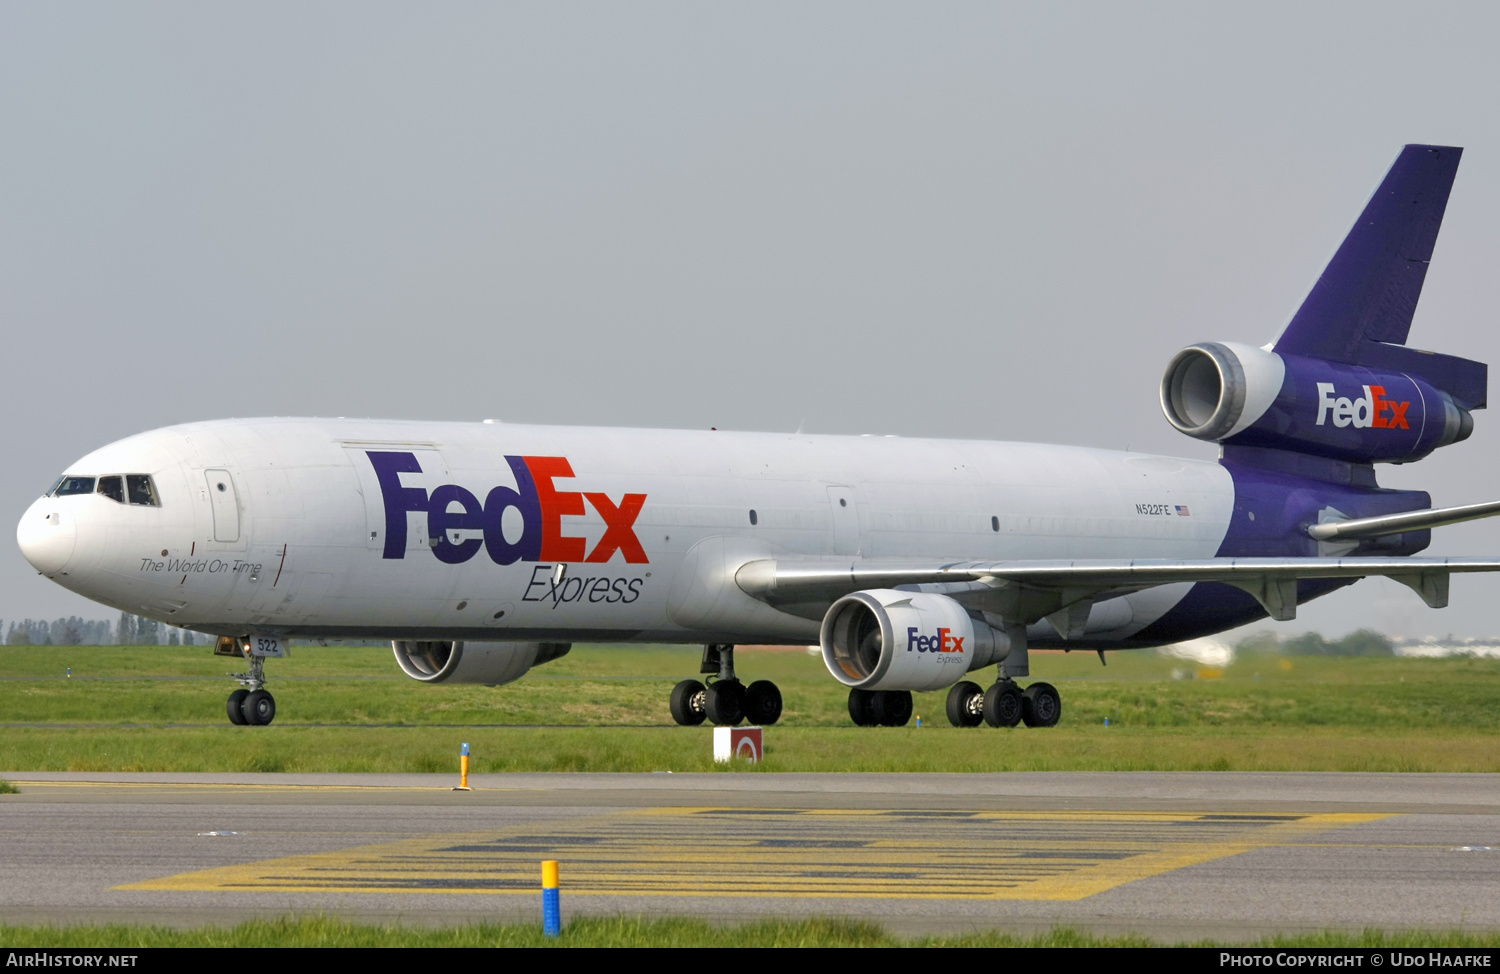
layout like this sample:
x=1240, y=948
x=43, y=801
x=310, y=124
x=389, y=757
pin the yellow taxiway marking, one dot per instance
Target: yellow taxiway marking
x=786, y=853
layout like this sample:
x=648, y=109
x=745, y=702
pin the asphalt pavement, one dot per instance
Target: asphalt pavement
x=1178, y=856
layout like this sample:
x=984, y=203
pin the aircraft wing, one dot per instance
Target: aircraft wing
x=1375, y=527
x=1030, y=590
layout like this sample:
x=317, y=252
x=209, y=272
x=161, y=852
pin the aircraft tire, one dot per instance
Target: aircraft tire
x=686, y=703
x=724, y=703
x=259, y=708
x=762, y=702
x=1002, y=705
x=893, y=708
x=235, y=704
x=1041, y=705
x=966, y=704
x=862, y=708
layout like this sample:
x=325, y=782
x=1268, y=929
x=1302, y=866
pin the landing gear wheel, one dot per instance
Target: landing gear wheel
x=259, y=708
x=893, y=707
x=687, y=703
x=1041, y=706
x=1002, y=705
x=862, y=708
x=966, y=704
x=762, y=702
x=724, y=703
x=235, y=704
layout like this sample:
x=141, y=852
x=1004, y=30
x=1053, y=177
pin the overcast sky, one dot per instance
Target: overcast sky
x=983, y=221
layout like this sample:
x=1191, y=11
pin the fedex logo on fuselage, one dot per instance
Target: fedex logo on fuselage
x=535, y=497
x=943, y=642
x=1364, y=413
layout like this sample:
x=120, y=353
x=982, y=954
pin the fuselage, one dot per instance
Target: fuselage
x=360, y=528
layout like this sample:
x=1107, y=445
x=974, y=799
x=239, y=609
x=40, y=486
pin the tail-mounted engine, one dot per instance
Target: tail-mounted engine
x=463, y=662
x=1239, y=395
x=882, y=639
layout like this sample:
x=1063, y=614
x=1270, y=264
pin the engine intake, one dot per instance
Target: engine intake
x=438, y=661
x=882, y=639
x=1213, y=390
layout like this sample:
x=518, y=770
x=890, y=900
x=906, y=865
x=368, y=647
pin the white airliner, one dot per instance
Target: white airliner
x=483, y=549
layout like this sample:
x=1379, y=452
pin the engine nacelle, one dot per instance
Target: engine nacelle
x=491, y=664
x=882, y=639
x=1245, y=396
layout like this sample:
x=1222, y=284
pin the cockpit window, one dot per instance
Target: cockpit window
x=113, y=488
x=73, y=485
x=141, y=490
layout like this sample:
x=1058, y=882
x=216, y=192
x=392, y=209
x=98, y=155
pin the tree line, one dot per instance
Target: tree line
x=1361, y=642
x=131, y=630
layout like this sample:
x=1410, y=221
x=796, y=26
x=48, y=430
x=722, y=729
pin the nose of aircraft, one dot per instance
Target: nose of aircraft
x=46, y=535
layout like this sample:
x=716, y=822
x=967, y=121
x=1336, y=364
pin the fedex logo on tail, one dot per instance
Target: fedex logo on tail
x=1370, y=411
x=943, y=642
x=451, y=509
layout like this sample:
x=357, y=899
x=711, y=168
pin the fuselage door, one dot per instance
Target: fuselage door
x=225, y=503
x=845, y=520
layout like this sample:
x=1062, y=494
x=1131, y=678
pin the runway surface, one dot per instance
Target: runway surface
x=1223, y=856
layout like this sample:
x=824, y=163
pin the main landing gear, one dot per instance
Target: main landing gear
x=880, y=708
x=1003, y=705
x=724, y=701
x=252, y=704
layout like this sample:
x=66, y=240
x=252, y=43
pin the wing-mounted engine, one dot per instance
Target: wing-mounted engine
x=1239, y=395
x=883, y=639
x=439, y=661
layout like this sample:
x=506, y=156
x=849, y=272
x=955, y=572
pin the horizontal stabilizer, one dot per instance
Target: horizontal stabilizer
x=1465, y=380
x=1375, y=527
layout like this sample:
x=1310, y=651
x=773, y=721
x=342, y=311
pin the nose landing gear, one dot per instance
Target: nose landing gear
x=724, y=701
x=252, y=704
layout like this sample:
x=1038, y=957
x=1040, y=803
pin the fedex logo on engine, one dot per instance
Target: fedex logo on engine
x=452, y=511
x=1361, y=413
x=943, y=642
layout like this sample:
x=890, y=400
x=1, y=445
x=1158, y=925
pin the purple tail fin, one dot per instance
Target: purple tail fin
x=1360, y=310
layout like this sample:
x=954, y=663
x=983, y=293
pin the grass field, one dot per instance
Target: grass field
x=604, y=708
x=641, y=932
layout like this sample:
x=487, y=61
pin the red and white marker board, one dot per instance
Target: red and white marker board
x=737, y=742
